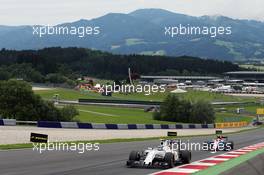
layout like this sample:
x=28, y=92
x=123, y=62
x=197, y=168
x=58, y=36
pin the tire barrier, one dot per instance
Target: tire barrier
x=50, y=124
x=7, y=122
x=231, y=124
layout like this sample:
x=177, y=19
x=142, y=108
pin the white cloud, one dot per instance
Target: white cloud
x=17, y=12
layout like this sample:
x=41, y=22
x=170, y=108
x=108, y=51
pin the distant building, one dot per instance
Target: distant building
x=175, y=79
x=249, y=76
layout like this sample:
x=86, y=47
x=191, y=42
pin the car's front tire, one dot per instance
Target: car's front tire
x=133, y=156
x=169, y=159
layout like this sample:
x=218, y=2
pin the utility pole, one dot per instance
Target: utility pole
x=129, y=75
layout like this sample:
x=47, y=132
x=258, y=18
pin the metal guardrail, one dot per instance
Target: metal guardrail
x=119, y=101
x=136, y=102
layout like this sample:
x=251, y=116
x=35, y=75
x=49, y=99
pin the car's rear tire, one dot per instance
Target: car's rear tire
x=186, y=156
x=169, y=159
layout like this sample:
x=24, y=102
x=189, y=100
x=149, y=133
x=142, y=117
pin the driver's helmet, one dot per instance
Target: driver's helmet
x=171, y=142
x=165, y=143
x=220, y=137
x=162, y=142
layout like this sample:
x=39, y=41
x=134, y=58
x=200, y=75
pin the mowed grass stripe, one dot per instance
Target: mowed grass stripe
x=71, y=94
x=119, y=115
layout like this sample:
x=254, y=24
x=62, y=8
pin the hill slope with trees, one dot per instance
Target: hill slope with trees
x=58, y=65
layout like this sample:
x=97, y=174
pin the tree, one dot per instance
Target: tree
x=68, y=113
x=25, y=72
x=55, y=78
x=76, y=62
x=176, y=109
x=4, y=75
x=18, y=101
x=202, y=112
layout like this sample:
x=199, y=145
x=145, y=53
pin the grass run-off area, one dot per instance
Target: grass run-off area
x=231, y=117
x=70, y=94
x=116, y=115
x=101, y=114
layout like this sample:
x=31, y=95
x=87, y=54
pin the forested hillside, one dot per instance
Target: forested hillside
x=58, y=65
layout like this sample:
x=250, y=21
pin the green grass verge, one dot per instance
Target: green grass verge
x=252, y=108
x=232, y=117
x=67, y=94
x=215, y=170
x=115, y=115
x=16, y=146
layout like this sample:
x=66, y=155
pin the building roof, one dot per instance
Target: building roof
x=179, y=77
x=246, y=72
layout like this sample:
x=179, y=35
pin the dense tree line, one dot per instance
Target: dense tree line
x=17, y=101
x=180, y=110
x=75, y=62
x=26, y=72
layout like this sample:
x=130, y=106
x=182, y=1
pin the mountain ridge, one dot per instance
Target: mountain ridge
x=142, y=32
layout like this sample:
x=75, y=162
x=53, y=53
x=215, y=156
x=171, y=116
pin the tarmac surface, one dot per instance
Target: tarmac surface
x=109, y=160
x=21, y=134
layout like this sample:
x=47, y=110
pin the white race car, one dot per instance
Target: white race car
x=166, y=155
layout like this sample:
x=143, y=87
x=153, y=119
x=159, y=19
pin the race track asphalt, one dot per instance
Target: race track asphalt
x=109, y=160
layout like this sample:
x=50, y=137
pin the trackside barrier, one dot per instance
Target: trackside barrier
x=50, y=124
x=7, y=122
x=231, y=124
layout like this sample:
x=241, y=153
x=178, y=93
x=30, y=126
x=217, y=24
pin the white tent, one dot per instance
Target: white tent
x=97, y=86
x=178, y=91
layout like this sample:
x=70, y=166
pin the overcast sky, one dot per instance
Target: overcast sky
x=17, y=12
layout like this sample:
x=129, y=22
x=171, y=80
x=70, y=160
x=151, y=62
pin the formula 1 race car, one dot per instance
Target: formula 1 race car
x=166, y=155
x=221, y=143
